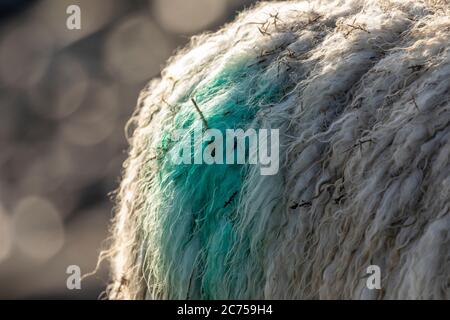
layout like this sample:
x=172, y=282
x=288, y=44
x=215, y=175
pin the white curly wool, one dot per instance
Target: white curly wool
x=364, y=176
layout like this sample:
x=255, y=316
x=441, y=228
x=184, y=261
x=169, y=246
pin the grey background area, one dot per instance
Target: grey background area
x=65, y=97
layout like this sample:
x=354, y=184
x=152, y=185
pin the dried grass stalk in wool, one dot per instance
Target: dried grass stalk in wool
x=360, y=91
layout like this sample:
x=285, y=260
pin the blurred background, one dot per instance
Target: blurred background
x=65, y=96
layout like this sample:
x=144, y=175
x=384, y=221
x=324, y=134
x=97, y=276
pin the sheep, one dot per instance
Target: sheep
x=359, y=91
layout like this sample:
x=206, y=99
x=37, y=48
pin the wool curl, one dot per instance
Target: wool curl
x=360, y=91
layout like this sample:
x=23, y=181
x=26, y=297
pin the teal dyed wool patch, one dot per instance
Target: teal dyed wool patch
x=198, y=201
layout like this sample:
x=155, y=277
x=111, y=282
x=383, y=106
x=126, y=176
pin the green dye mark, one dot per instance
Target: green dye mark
x=199, y=201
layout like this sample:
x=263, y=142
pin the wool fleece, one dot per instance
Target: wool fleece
x=360, y=93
